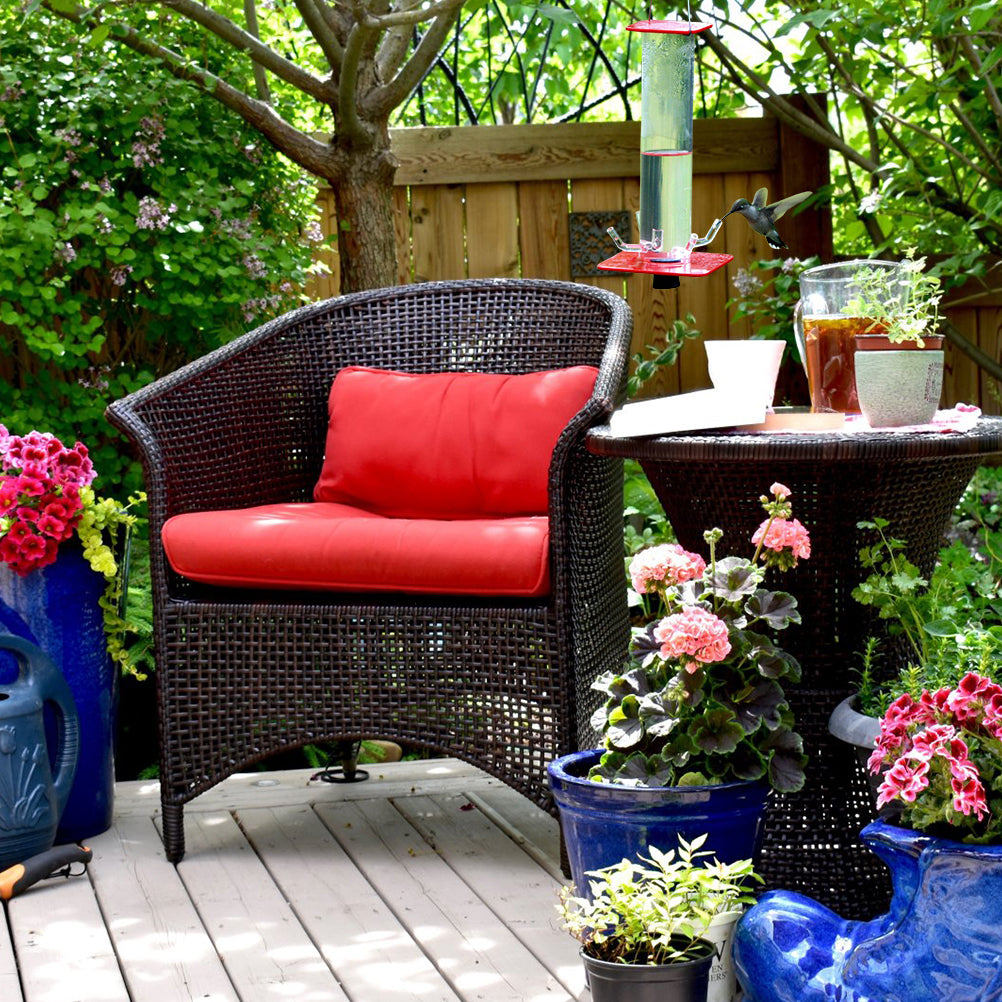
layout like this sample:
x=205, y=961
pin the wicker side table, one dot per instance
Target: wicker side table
x=838, y=479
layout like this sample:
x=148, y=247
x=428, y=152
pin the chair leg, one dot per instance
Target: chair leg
x=173, y=824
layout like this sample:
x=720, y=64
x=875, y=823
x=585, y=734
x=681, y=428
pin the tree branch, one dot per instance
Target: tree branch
x=409, y=18
x=382, y=100
x=984, y=79
x=229, y=32
x=347, y=91
x=260, y=77
x=315, y=21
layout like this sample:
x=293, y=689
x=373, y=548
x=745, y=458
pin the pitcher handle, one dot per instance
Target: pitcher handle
x=38, y=669
x=798, y=333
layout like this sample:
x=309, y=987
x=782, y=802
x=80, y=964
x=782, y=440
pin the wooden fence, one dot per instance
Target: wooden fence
x=490, y=201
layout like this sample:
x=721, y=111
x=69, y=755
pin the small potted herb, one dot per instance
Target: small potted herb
x=897, y=385
x=653, y=926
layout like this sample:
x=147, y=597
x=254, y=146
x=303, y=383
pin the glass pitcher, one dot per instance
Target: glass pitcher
x=826, y=329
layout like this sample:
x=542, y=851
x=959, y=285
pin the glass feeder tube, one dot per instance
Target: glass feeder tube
x=666, y=108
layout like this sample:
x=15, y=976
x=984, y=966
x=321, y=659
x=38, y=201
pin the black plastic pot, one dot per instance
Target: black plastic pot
x=687, y=981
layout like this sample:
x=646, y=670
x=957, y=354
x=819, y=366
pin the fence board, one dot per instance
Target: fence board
x=561, y=152
x=990, y=342
x=960, y=379
x=437, y=232
x=544, y=242
x=492, y=230
x=402, y=233
x=599, y=195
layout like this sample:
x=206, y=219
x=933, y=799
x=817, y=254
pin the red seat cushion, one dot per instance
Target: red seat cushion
x=447, y=445
x=334, y=547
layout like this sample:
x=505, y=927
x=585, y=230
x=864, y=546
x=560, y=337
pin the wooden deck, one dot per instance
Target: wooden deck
x=428, y=882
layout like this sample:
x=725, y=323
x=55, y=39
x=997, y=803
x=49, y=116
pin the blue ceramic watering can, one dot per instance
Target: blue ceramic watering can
x=31, y=797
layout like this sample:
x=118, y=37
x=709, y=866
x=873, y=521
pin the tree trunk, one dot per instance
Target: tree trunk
x=363, y=198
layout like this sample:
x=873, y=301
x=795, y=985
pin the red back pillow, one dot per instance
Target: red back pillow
x=449, y=444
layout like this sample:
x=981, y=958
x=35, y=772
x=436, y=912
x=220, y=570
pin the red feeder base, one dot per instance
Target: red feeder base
x=633, y=261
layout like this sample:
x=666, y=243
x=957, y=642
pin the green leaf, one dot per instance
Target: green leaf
x=731, y=578
x=717, y=732
x=777, y=608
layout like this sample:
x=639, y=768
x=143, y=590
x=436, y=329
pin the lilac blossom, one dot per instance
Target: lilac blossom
x=146, y=146
x=256, y=268
x=66, y=251
x=152, y=216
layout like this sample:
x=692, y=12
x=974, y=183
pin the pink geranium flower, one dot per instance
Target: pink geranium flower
x=781, y=534
x=664, y=565
x=694, y=635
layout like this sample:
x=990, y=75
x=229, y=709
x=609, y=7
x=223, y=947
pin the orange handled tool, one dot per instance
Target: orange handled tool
x=18, y=878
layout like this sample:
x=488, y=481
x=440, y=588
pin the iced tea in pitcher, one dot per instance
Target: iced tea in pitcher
x=826, y=329
x=829, y=344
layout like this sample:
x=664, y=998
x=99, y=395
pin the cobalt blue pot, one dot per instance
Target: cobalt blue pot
x=941, y=940
x=56, y=607
x=603, y=823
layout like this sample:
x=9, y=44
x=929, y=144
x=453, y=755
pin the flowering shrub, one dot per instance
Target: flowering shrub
x=940, y=757
x=701, y=700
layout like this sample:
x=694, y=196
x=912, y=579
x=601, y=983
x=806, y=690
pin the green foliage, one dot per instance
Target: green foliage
x=950, y=624
x=508, y=62
x=902, y=303
x=645, y=369
x=139, y=227
x=910, y=105
x=768, y=291
x=655, y=910
x=645, y=522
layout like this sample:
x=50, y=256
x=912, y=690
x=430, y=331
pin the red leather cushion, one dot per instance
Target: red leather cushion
x=334, y=547
x=447, y=445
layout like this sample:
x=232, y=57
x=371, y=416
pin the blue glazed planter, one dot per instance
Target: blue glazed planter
x=603, y=823
x=941, y=941
x=57, y=608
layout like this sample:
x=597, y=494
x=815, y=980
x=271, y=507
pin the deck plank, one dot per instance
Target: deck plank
x=267, y=953
x=60, y=941
x=503, y=875
x=369, y=950
x=10, y=983
x=162, y=946
x=473, y=949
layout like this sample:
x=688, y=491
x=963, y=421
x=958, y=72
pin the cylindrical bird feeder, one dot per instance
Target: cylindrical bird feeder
x=666, y=103
x=667, y=243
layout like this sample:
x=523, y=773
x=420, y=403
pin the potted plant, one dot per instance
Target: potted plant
x=61, y=587
x=896, y=384
x=696, y=726
x=937, y=629
x=939, y=760
x=657, y=929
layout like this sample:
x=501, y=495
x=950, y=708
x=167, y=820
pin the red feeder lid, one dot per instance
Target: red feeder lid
x=670, y=27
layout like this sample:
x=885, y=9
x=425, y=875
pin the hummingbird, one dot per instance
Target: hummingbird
x=761, y=217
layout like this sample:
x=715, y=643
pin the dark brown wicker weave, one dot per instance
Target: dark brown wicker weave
x=499, y=683
x=838, y=479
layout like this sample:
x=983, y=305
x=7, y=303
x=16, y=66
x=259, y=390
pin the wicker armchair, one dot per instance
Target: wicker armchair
x=503, y=684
